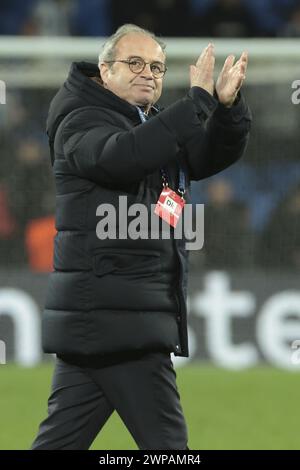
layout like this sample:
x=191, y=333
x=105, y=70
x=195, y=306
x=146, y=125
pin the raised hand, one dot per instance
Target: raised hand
x=202, y=74
x=231, y=79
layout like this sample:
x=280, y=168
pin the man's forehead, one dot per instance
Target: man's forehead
x=140, y=45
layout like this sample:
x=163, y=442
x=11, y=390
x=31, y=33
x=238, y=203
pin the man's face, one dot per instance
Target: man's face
x=142, y=88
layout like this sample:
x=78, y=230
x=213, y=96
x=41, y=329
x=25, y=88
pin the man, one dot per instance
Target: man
x=116, y=307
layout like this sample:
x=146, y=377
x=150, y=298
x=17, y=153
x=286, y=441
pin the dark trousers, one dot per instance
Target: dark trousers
x=141, y=388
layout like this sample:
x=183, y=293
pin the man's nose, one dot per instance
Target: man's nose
x=147, y=72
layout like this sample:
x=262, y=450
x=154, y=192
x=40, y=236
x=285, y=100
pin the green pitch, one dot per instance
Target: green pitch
x=253, y=409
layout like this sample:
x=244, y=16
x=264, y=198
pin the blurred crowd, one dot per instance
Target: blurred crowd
x=26, y=184
x=213, y=18
x=252, y=209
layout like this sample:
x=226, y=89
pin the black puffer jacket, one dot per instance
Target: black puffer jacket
x=116, y=295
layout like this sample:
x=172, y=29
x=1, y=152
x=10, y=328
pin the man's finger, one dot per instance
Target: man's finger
x=208, y=50
x=243, y=59
x=228, y=64
x=241, y=64
x=202, y=54
x=240, y=77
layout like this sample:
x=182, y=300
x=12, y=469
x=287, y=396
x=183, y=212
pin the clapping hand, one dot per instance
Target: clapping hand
x=230, y=80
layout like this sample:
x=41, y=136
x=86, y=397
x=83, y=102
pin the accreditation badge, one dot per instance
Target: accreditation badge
x=169, y=206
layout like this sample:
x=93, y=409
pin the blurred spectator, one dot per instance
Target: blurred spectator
x=292, y=26
x=269, y=15
x=279, y=246
x=225, y=18
x=12, y=122
x=8, y=228
x=50, y=18
x=172, y=16
x=92, y=17
x=164, y=17
x=134, y=11
x=199, y=7
x=228, y=239
x=39, y=236
x=265, y=17
x=31, y=189
x=237, y=18
x=13, y=15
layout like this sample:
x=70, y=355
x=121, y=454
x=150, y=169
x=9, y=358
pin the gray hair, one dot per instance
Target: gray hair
x=109, y=47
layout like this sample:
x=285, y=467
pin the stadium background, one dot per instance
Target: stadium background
x=239, y=386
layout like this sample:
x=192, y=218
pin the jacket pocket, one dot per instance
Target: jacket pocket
x=127, y=261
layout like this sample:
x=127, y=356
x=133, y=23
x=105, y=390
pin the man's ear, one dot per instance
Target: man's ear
x=104, y=70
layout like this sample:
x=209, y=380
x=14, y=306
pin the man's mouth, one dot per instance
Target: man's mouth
x=144, y=85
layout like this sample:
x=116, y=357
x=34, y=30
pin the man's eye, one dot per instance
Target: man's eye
x=135, y=62
x=156, y=68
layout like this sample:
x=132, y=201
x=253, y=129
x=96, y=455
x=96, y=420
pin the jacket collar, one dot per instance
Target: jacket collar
x=79, y=82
